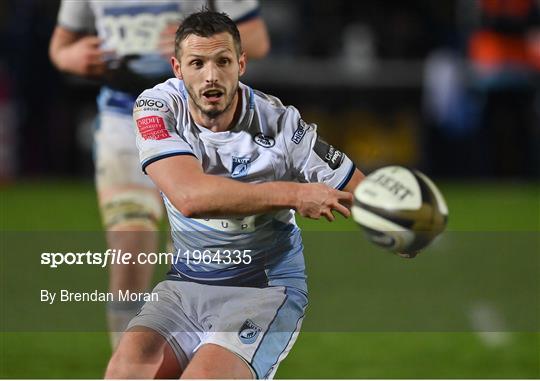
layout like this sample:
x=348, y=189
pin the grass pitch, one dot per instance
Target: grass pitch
x=336, y=350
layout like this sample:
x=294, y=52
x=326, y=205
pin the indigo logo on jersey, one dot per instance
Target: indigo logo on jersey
x=150, y=104
x=240, y=166
x=248, y=332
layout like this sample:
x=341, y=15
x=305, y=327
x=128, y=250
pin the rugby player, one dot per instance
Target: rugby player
x=233, y=165
x=130, y=53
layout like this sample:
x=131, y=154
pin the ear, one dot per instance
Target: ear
x=242, y=62
x=177, y=70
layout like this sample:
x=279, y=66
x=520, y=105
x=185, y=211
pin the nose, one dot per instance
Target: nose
x=211, y=73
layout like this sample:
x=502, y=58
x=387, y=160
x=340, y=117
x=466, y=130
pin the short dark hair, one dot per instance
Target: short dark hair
x=207, y=23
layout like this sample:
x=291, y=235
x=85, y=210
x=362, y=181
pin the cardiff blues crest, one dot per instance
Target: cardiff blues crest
x=240, y=166
x=248, y=332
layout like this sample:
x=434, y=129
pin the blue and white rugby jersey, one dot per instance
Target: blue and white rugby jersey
x=132, y=28
x=269, y=143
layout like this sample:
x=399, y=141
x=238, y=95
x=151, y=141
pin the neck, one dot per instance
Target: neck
x=224, y=121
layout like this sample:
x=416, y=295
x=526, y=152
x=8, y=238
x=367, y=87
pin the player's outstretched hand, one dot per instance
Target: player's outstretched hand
x=319, y=200
x=85, y=57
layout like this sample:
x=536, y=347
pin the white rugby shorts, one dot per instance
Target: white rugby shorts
x=260, y=325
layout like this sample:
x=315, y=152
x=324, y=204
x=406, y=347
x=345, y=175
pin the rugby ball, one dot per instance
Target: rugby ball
x=399, y=209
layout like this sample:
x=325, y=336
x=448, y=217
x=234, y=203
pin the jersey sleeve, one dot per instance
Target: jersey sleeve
x=156, y=115
x=238, y=10
x=310, y=158
x=76, y=16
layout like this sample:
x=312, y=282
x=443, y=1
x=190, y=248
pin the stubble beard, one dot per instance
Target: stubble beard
x=213, y=113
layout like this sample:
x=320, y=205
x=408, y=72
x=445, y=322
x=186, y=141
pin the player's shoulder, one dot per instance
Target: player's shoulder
x=270, y=107
x=172, y=87
x=267, y=101
x=164, y=97
x=274, y=113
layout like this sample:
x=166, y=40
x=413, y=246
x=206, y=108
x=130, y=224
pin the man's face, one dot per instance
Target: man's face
x=210, y=69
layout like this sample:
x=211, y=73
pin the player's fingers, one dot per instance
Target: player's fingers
x=328, y=215
x=97, y=69
x=95, y=60
x=94, y=56
x=107, y=53
x=100, y=57
x=97, y=54
x=344, y=196
x=94, y=41
x=344, y=211
x=313, y=216
x=96, y=50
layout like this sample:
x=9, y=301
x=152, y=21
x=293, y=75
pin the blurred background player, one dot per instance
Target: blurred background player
x=126, y=46
x=504, y=53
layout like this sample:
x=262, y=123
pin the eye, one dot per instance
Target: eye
x=224, y=61
x=196, y=63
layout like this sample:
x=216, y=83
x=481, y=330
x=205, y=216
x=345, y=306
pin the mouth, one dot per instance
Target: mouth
x=213, y=95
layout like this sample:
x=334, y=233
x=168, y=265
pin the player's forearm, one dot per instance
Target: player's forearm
x=219, y=197
x=77, y=53
x=60, y=41
x=54, y=55
x=59, y=62
x=355, y=180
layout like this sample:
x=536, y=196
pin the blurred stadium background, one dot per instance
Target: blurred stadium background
x=450, y=87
